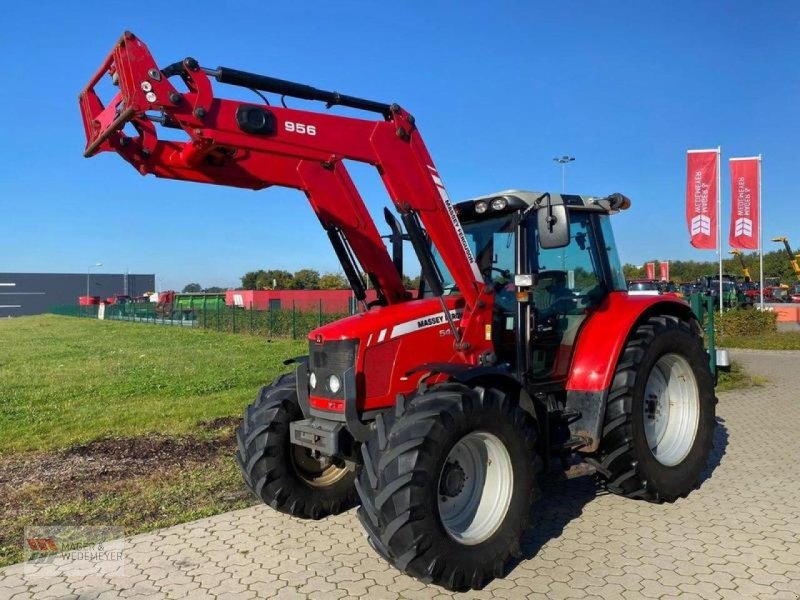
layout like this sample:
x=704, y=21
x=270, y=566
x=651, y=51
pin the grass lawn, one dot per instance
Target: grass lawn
x=109, y=423
x=68, y=380
x=781, y=340
x=737, y=378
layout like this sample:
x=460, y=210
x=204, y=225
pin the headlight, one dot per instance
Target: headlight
x=480, y=207
x=499, y=203
x=312, y=381
x=334, y=384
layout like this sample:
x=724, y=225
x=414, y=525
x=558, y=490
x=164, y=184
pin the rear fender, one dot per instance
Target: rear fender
x=597, y=352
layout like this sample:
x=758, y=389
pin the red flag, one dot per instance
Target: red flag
x=663, y=268
x=745, y=175
x=651, y=270
x=701, y=198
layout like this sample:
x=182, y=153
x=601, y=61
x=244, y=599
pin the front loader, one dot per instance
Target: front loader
x=437, y=412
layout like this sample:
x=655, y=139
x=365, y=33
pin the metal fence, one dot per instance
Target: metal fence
x=291, y=323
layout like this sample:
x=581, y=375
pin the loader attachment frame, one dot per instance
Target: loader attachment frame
x=250, y=145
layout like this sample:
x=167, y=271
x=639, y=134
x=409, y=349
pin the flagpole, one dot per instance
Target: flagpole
x=760, y=241
x=719, y=220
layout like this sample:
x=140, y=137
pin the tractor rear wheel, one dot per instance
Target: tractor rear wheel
x=287, y=477
x=660, y=415
x=447, y=486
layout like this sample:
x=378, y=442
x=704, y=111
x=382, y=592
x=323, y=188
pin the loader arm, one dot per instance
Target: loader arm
x=745, y=270
x=251, y=145
x=792, y=256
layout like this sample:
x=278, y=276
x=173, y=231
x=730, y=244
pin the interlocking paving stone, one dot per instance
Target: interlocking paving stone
x=738, y=536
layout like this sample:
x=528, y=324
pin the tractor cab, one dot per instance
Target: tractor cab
x=543, y=291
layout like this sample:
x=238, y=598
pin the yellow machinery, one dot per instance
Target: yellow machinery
x=745, y=270
x=792, y=256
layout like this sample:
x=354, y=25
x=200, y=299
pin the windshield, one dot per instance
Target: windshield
x=492, y=245
x=727, y=286
x=642, y=286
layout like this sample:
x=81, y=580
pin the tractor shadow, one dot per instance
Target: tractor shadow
x=563, y=501
x=717, y=452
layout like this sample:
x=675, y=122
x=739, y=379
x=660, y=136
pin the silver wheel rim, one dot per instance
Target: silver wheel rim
x=671, y=408
x=475, y=488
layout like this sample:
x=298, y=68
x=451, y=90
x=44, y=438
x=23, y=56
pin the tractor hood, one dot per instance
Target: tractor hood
x=386, y=343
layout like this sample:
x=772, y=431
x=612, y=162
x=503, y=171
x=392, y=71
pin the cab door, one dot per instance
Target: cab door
x=569, y=283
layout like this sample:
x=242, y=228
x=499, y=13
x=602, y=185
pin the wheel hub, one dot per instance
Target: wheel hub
x=317, y=471
x=453, y=478
x=671, y=409
x=475, y=487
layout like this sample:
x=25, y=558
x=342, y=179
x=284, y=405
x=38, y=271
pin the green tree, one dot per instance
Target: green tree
x=409, y=283
x=306, y=279
x=332, y=281
x=274, y=279
x=250, y=279
x=192, y=288
x=214, y=289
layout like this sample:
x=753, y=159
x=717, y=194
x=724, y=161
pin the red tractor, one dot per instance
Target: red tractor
x=436, y=412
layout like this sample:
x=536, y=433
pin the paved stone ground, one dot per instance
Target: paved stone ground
x=738, y=536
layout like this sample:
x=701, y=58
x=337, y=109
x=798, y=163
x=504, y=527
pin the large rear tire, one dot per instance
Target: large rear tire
x=660, y=417
x=447, y=486
x=285, y=476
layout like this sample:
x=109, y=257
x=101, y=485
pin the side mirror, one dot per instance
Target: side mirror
x=553, y=225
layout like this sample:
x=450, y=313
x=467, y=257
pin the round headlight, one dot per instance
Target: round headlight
x=312, y=381
x=499, y=203
x=480, y=207
x=334, y=384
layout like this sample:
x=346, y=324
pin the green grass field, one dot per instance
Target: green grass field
x=68, y=381
x=109, y=423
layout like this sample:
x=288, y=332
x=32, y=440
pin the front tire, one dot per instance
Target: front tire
x=660, y=415
x=285, y=476
x=447, y=487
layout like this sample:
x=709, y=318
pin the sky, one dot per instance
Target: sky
x=498, y=89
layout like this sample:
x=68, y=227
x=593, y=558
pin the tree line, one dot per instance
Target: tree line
x=304, y=279
x=776, y=264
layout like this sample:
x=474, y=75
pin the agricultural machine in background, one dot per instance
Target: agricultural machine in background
x=436, y=412
x=733, y=296
x=185, y=305
x=748, y=280
x=792, y=257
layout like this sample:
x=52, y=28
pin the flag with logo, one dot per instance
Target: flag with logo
x=745, y=186
x=663, y=268
x=651, y=270
x=701, y=197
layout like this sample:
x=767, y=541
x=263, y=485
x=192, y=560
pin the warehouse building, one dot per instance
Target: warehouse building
x=36, y=293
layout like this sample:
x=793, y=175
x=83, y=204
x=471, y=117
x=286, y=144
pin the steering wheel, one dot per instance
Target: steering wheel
x=487, y=272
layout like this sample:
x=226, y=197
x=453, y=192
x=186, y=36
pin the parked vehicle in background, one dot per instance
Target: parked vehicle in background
x=732, y=296
x=793, y=258
x=180, y=305
x=643, y=287
x=668, y=287
x=794, y=293
x=88, y=300
x=118, y=299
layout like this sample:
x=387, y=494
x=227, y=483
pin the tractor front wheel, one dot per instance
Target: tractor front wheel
x=287, y=477
x=660, y=415
x=447, y=486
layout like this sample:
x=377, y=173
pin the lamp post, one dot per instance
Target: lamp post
x=563, y=161
x=88, y=273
